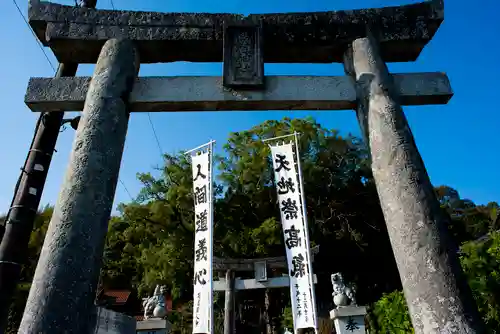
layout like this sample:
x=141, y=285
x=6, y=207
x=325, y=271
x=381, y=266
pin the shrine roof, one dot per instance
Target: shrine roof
x=119, y=296
x=77, y=34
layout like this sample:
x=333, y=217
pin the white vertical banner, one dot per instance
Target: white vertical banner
x=289, y=189
x=203, y=200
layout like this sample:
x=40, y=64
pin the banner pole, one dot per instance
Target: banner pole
x=279, y=137
x=202, y=171
x=211, y=208
x=200, y=147
x=306, y=225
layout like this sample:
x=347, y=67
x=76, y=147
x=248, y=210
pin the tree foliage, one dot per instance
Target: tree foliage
x=40, y=226
x=391, y=314
x=481, y=262
x=476, y=229
x=468, y=221
x=151, y=240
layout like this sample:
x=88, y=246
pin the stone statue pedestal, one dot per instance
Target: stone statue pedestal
x=110, y=322
x=153, y=326
x=349, y=319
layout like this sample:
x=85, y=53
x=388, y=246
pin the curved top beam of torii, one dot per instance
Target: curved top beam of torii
x=77, y=34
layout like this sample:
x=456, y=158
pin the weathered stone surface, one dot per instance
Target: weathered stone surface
x=207, y=93
x=61, y=299
x=436, y=291
x=77, y=34
x=349, y=319
x=347, y=311
x=153, y=326
x=243, y=56
x=110, y=322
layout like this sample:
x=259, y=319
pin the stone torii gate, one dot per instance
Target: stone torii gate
x=64, y=285
x=230, y=284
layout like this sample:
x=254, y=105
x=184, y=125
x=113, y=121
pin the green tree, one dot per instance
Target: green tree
x=481, y=262
x=343, y=208
x=151, y=242
x=40, y=226
x=287, y=318
x=152, y=239
x=468, y=220
x=390, y=315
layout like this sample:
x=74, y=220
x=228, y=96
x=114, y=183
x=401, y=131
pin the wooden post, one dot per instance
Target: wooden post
x=61, y=299
x=438, y=297
x=229, y=309
x=27, y=195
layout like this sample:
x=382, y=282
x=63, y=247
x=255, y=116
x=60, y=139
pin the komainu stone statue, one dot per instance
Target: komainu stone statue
x=154, y=307
x=343, y=295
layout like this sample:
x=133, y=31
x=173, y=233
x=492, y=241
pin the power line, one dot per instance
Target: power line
x=53, y=68
x=126, y=189
x=119, y=179
x=154, y=133
x=149, y=114
x=34, y=35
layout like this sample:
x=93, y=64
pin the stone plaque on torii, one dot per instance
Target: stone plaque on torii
x=363, y=40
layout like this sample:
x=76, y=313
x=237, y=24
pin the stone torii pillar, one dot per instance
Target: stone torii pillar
x=438, y=297
x=61, y=299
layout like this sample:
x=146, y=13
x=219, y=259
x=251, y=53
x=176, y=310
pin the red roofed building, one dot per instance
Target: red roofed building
x=123, y=301
x=119, y=297
x=139, y=317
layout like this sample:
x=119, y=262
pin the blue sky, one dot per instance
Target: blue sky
x=458, y=141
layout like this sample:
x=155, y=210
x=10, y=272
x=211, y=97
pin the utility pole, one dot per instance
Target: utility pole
x=27, y=194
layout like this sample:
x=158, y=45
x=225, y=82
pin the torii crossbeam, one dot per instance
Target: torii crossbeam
x=78, y=34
